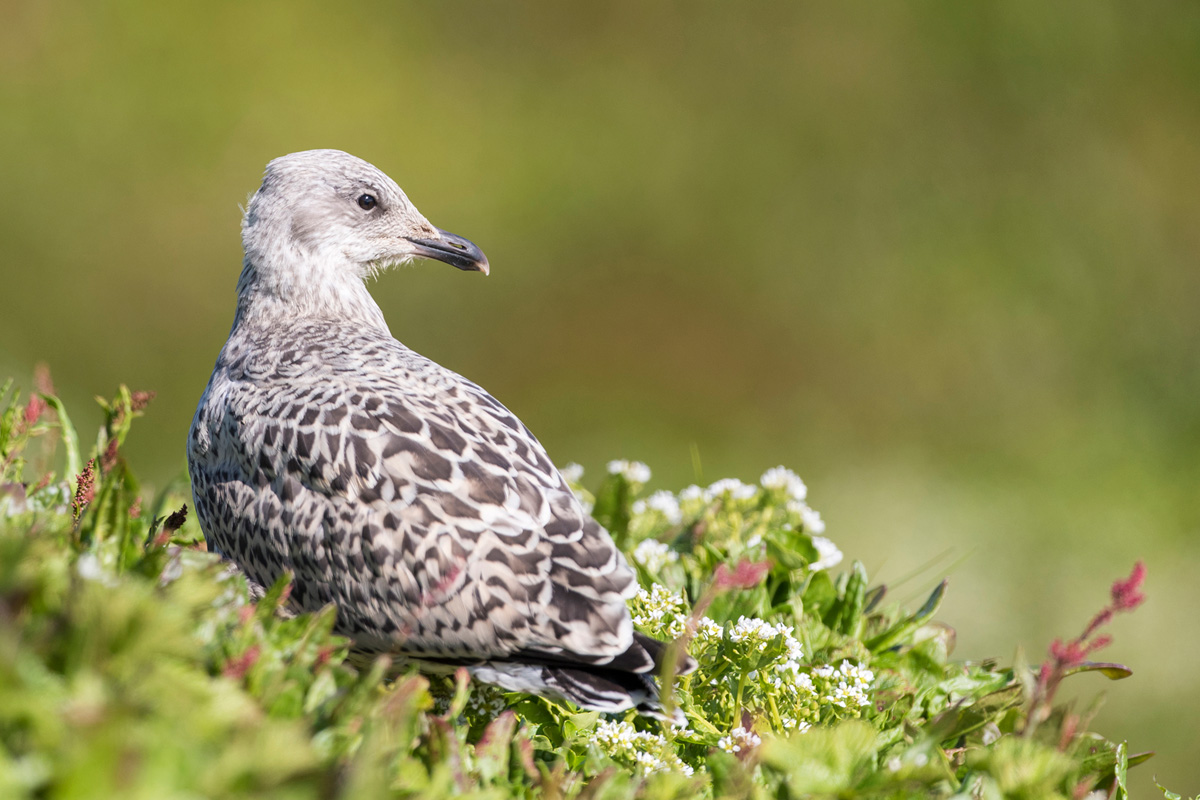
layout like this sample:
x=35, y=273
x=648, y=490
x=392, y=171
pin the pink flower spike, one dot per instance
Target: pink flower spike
x=34, y=409
x=1069, y=654
x=85, y=489
x=1127, y=594
x=746, y=575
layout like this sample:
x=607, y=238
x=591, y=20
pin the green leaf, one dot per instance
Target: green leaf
x=874, y=597
x=969, y=715
x=1122, y=768
x=845, y=616
x=74, y=462
x=819, y=594
x=579, y=723
x=495, y=747
x=1167, y=793
x=322, y=689
x=1114, y=672
x=905, y=627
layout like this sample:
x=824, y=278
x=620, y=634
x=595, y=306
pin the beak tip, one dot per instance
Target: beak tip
x=453, y=250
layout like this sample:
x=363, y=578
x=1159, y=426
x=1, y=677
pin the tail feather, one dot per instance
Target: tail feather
x=627, y=681
x=658, y=651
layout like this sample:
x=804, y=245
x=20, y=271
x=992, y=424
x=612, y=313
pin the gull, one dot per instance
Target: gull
x=387, y=485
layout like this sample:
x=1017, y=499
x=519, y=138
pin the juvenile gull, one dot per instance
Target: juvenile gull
x=390, y=486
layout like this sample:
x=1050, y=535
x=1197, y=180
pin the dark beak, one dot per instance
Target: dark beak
x=453, y=250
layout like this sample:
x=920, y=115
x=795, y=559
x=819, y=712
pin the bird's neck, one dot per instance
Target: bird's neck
x=307, y=289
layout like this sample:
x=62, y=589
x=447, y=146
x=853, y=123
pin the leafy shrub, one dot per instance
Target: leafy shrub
x=135, y=664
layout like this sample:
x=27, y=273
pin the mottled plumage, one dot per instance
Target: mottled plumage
x=390, y=486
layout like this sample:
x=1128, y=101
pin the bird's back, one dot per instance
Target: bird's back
x=402, y=493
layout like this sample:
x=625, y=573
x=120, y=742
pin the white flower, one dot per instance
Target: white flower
x=736, y=489
x=739, y=739
x=791, y=724
x=811, y=519
x=793, y=651
x=803, y=684
x=784, y=478
x=754, y=631
x=828, y=554
x=648, y=751
x=632, y=471
x=692, y=492
x=572, y=473
x=846, y=685
x=661, y=611
x=654, y=555
x=707, y=630
x=666, y=504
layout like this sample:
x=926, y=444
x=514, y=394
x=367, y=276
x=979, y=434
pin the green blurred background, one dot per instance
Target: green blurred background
x=940, y=257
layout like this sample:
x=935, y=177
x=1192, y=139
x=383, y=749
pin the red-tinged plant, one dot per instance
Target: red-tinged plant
x=746, y=575
x=34, y=409
x=238, y=666
x=1065, y=657
x=85, y=489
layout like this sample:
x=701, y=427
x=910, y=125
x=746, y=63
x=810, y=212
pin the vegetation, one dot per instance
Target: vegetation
x=134, y=664
x=938, y=257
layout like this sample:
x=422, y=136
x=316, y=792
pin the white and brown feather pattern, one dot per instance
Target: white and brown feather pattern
x=388, y=485
x=412, y=499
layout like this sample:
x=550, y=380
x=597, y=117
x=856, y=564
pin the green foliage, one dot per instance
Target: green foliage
x=135, y=664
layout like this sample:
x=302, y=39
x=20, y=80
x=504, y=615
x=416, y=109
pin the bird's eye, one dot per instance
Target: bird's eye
x=367, y=201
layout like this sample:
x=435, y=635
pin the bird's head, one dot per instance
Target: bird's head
x=330, y=208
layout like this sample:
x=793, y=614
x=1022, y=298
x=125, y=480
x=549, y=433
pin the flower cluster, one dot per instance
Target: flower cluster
x=708, y=631
x=632, y=471
x=646, y=751
x=828, y=554
x=572, y=473
x=783, y=479
x=845, y=685
x=776, y=479
x=809, y=517
x=660, y=612
x=664, y=503
x=760, y=633
x=654, y=555
x=788, y=696
x=753, y=663
x=732, y=487
x=739, y=740
x=793, y=725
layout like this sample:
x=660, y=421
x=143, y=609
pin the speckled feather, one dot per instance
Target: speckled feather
x=390, y=486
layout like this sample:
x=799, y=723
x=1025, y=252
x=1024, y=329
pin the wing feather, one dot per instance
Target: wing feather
x=412, y=499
